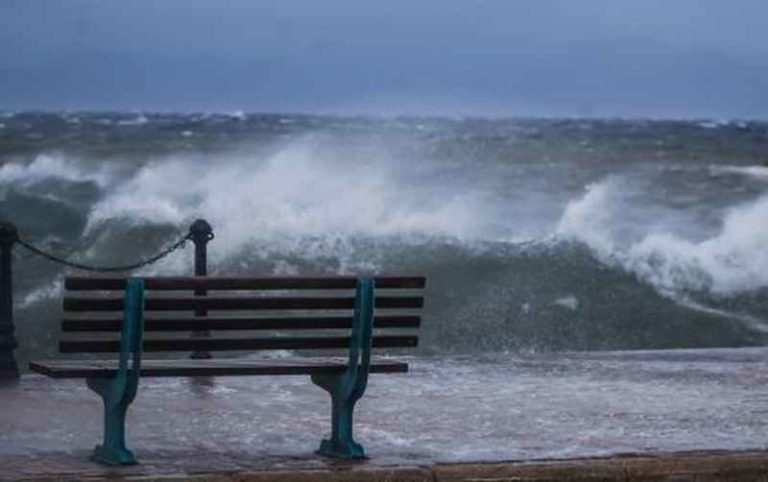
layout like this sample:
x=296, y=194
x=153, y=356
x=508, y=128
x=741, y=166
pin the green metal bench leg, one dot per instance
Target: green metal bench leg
x=119, y=391
x=112, y=450
x=341, y=444
x=347, y=387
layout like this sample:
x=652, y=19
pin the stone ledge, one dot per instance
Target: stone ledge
x=394, y=474
x=677, y=467
x=670, y=467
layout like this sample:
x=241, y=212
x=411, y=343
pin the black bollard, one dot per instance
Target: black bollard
x=200, y=233
x=9, y=369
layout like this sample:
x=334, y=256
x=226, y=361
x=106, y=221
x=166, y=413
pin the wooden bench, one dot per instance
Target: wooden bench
x=245, y=315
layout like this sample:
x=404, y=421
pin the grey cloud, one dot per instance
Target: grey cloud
x=647, y=58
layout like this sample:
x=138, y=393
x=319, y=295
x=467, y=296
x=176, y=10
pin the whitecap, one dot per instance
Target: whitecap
x=238, y=114
x=758, y=172
x=713, y=124
x=45, y=166
x=569, y=302
x=140, y=119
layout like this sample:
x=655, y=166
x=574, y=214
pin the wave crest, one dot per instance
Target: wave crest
x=297, y=193
x=732, y=261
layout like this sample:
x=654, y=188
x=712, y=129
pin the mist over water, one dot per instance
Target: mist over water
x=534, y=234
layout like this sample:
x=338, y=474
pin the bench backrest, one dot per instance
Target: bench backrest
x=286, y=313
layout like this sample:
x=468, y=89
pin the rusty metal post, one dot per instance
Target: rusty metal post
x=9, y=369
x=201, y=233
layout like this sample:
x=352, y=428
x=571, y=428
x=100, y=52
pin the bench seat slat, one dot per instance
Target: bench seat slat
x=226, y=367
x=231, y=303
x=237, y=323
x=221, y=344
x=229, y=283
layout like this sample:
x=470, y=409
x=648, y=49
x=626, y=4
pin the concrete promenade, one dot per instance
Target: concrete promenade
x=646, y=415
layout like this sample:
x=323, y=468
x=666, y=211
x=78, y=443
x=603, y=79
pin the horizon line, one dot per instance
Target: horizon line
x=239, y=113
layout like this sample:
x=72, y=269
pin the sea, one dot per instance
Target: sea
x=536, y=235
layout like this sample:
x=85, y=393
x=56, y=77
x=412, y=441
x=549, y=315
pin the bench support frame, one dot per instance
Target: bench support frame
x=346, y=388
x=118, y=392
x=345, y=384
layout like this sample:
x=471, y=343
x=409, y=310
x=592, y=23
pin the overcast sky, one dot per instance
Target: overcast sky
x=644, y=58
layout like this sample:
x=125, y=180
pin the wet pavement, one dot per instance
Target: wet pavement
x=482, y=408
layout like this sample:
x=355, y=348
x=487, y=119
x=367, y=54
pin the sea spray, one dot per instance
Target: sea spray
x=535, y=235
x=732, y=260
x=588, y=218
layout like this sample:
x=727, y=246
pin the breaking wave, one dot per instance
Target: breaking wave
x=518, y=255
x=732, y=261
x=46, y=167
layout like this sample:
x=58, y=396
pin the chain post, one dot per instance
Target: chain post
x=200, y=232
x=9, y=369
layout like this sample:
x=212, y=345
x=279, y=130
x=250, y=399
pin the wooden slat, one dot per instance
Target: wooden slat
x=218, y=303
x=229, y=367
x=228, y=283
x=220, y=344
x=238, y=323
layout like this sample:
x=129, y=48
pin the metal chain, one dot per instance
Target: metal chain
x=106, y=269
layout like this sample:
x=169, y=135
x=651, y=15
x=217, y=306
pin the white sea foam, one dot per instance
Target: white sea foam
x=569, y=302
x=299, y=199
x=731, y=261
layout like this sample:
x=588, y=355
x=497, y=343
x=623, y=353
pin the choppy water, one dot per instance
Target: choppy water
x=535, y=234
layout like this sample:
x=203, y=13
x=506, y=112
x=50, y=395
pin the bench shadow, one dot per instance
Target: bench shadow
x=201, y=387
